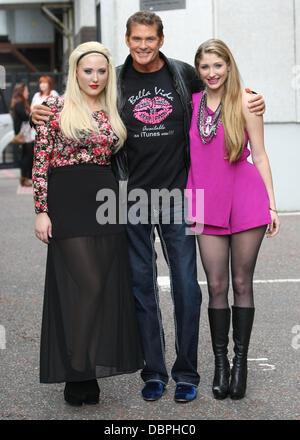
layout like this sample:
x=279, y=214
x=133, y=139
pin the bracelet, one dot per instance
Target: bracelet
x=274, y=210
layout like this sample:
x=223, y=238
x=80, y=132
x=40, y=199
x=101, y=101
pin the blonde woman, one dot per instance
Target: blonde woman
x=239, y=206
x=89, y=326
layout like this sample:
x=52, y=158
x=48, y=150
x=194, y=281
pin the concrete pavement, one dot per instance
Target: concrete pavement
x=274, y=354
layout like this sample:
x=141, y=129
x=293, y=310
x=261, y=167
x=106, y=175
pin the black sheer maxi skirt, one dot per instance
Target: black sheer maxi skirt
x=89, y=326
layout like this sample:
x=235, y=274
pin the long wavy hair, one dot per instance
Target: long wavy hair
x=18, y=96
x=76, y=117
x=232, y=114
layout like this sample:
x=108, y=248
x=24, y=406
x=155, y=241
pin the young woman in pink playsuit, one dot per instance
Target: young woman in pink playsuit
x=239, y=206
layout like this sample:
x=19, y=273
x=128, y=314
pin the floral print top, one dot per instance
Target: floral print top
x=53, y=149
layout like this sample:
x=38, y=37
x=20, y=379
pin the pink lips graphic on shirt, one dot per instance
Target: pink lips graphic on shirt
x=152, y=111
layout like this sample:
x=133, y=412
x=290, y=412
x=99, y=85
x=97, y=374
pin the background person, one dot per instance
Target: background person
x=239, y=204
x=89, y=327
x=20, y=110
x=45, y=90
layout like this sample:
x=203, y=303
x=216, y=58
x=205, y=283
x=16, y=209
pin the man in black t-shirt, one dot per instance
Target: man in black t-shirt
x=154, y=103
x=153, y=116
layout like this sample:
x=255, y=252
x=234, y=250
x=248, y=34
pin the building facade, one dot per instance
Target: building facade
x=263, y=35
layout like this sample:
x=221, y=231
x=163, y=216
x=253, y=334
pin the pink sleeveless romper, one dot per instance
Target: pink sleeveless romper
x=235, y=196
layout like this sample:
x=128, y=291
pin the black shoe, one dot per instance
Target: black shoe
x=242, y=321
x=219, y=321
x=77, y=393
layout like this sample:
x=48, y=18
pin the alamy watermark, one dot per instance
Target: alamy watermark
x=161, y=206
x=2, y=77
x=2, y=337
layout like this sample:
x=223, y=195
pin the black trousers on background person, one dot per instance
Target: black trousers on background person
x=27, y=160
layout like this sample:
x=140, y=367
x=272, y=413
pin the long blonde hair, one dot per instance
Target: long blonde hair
x=76, y=117
x=232, y=114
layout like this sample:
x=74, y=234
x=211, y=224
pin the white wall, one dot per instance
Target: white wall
x=3, y=23
x=264, y=37
x=261, y=36
x=297, y=61
x=84, y=14
x=282, y=146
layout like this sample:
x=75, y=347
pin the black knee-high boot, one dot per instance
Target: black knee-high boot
x=242, y=321
x=219, y=321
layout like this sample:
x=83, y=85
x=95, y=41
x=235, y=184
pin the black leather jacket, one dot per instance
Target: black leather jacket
x=185, y=83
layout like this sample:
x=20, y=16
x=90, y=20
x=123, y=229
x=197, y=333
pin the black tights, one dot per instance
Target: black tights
x=82, y=257
x=214, y=252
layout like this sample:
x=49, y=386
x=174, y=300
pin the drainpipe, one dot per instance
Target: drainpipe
x=60, y=26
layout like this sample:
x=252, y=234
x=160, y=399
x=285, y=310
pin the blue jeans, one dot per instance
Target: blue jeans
x=180, y=254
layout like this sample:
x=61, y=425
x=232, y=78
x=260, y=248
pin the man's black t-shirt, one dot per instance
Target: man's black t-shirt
x=153, y=115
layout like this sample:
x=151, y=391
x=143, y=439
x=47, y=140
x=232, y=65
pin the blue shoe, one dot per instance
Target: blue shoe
x=185, y=393
x=153, y=390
